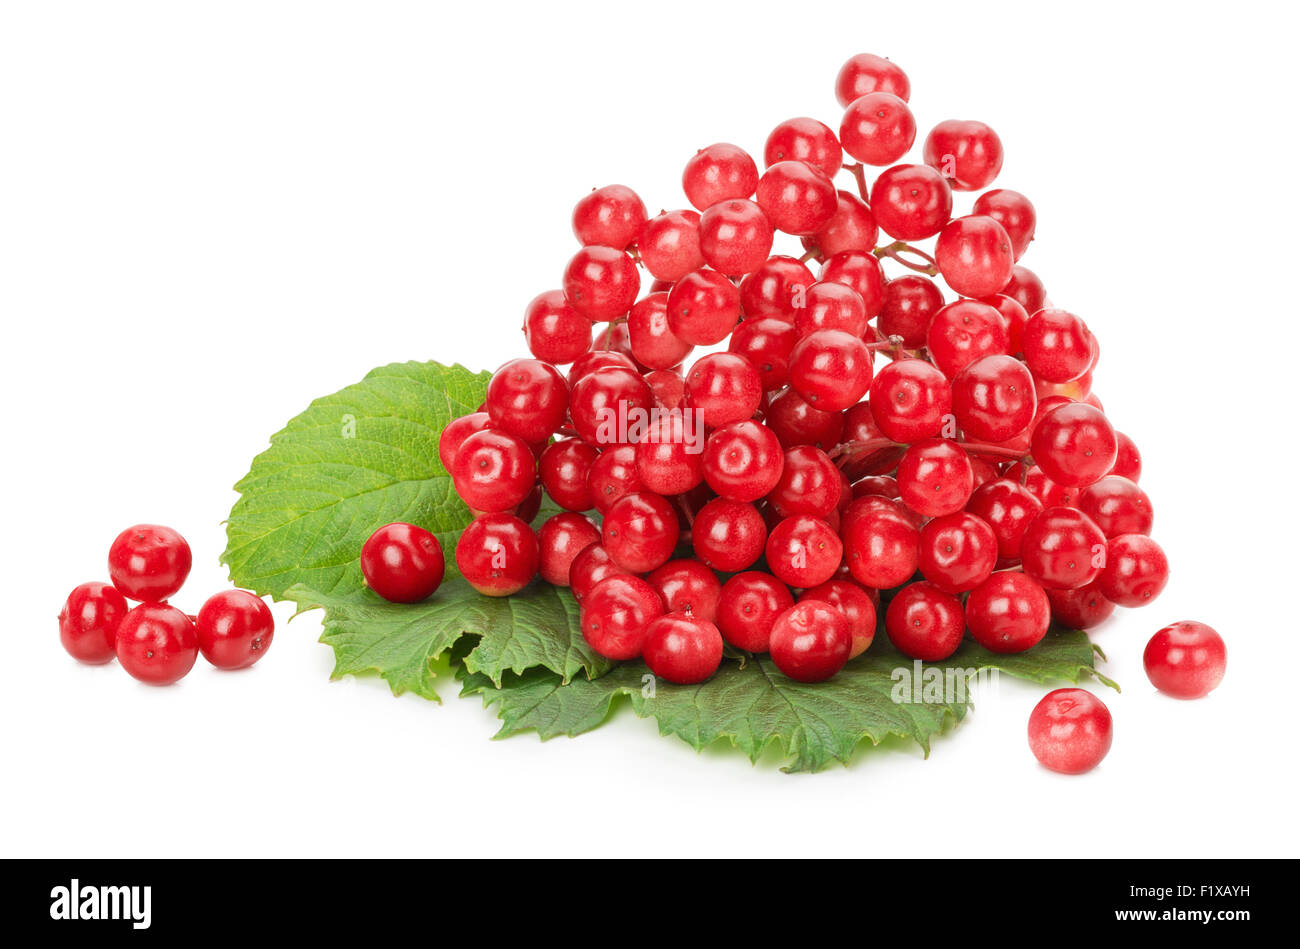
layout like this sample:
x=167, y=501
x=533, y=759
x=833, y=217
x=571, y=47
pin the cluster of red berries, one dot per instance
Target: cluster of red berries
x=154, y=641
x=976, y=456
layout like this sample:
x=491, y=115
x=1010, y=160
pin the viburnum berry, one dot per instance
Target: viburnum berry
x=1136, y=570
x=668, y=388
x=803, y=551
x=724, y=388
x=703, y=307
x=640, y=531
x=1014, y=212
x=935, y=477
x=1009, y=612
x=968, y=154
x=910, y=399
x=831, y=369
x=809, y=484
x=602, y=402
x=613, y=475
x=963, y=332
x=767, y=343
x=796, y=197
x=885, y=486
x=235, y=629
x=856, y=605
x=601, y=283
x=1026, y=289
x=811, y=641
x=669, y=245
x=860, y=271
x=555, y=332
x=797, y=422
x=1117, y=506
x=1070, y=731
x=1128, y=460
x=651, y=338
x=497, y=554
x=1013, y=316
x=806, y=140
x=88, y=622
x=1057, y=346
x=925, y=623
x=527, y=398
x=851, y=227
x=993, y=398
x=831, y=306
x=881, y=543
x=743, y=460
x=771, y=290
x=717, y=173
x=1074, y=444
x=1047, y=491
x=455, y=433
x=403, y=563
x=865, y=73
x=1008, y=508
x=682, y=648
x=1083, y=608
x=562, y=537
x=687, y=586
x=911, y=202
x=563, y=468
x=974, y=255
x=157, y=643
x=957, y=552
x=149, y=562
x=1063, y=549
x=1186, y=660
x=910, y=303
x=591, y=565
x=749, y=606
x=611, y=216
x=735, y=237
x=878, y=128
x=728, y=535
x=595, y=360
x=668, y=460
x=616, y=615
x=493, y=471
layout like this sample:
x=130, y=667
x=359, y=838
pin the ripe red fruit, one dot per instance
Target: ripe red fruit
x=993, y=398
x=831, y=369
x=1083, y=608
x=748, y=608
x=1070, y=731
x=616, y=615
x=1015, y=318
x=555, y=332
x=687, y=586
x=1117, y=506
x=604, y=401
x=589, y=567
x=743, y=460
x=640, y=531
x=807, y=140
x=767, y=344
x=735, y=237
x=611, y=216
x=668, y=388
x=725, y=388
x=881, y=543
x=809, y=484
x=925, y=623
x=235, y=629
x=1074, y=444
x=403, y=563
x=703, y=307
x=149, y=562
x=1128, y=460
x=803, y=551
x=796, y=422
x=562, y=537
x=859, y=270
x=650, y=337
x=910, y=303
x=856, y=605
x=1014, y=212
x=1136, y=570
x=527, y=398
x=497, y=554
x=911, y=202
x=599, y=358
x=866, y=73
x=1062, y=549
x=1026, y=289
x=1186, y=660
x=811, y=641
x=935, y=477
x=669, y=245
x=1007, y=613
x=157, y=643
x=563, y=468
x=668, y=459
x=797, y=197
x=493, y=471
x=963, y=332
x=717, y=173
x=910, y=399
x=1008, y=508
x=771, y=290
x=601, y=283
x=878, y=128
x=88, y=622
x=974, y=255
x=728, y=535
x=957, y=552
x=1056, y=345
x=455, y=433
x=851, y=227
x=968, y=154
x=831, y=306
x=681, y=648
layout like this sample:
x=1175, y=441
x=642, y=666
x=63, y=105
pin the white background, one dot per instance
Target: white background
x=212, y=213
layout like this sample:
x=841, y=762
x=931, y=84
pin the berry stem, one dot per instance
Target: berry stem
x=859, y=173
x=896, y=250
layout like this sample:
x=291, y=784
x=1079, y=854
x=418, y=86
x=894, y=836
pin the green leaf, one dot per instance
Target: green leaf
x=353, y=461
x=754, y=706
x=537, y=627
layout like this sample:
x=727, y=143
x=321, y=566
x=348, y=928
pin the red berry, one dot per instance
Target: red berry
x=748, y=608
x=1074, y=444
x=957, y=552
x=910, y=400
x=1013, y=316
x=1026, y=289
x=604, y=403
x=611, y=216
x=1008, y=613
x=831, y=306
x=811, y=641
x=803, y=551
x=527, y=398
x=1128, y=460
x=669, y=459
x=616, y=615
x=1062, y=549
x=497, y=554
x=589, y=567
x=703, y=307
x=963, y=332
x=88, y=622
x=728, y=535
x=598, y=358
x=993, y=398
x=831, y=369
x=717, y=173
x=1136, y=570
x=881, y=543
x=1057, y=346
x=910, y=303
x=149, y=562
x=723, y=388
x=555, y=332
x=559, y=542
x=806, y=140
x=1117, y=506
x=683, y=649
x=911, y=202
x=601, y=283
x=878, y=128
x=935, y=477
x=925, y=623
x=650, y=337
x=157, y=643
x=735, y=237
x=865, y=73
x=613, y=475
x=640, y=531
x=1070, y=731
x=767, y=343
x=974, y=255
x=1083, y=608
x=235, y=628
x=454, y=435
x=743, y=460
x=1008, y=508
x=493, y=471
x=809, y=484
x=1185, y=660
x=687, y=586
x=797, y=197
x=968, y=154
x=796, y=422
x=1014, y=212
x=860, y=271
x=771, y=290
x=851, y=228
x=669, y=245
x=563, y=468
x=668, y=388
x=402, y=563
x=856, y=605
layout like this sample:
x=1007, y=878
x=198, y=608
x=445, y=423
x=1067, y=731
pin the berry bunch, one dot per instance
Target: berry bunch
x=154, y=641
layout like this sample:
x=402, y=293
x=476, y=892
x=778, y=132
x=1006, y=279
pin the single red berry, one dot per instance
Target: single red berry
x=1009, y=612
x=910, y=400
x=735, y=237
x=993, y=398
x=559, y=542
x=717, y=173
x=611, y=216
x=616, y=615
x=772, y=289
x=767, y=343
x=493, y=471
x=749, y=607
x=668, y=388
x=743, y=460
x=851, y=228
x=640, y=531
x=881, y=543
x=555, y=331
x=860, y=271
x=157, y=643
x=797, y=197
x=1014, y=212
x=1057, y=346
x=878, y=128
x=968, y=154
x=1186, y=660
x=831, y=369
x=957, y=552
x=527, y=398
x=1026, y=289
x=563, y=468
x=652, y=341
x=728, y=535
x=455, y=432
x=806, y=140
x=612, y=476
x=402, y=563
x=687, y=586
x=1013, y=316
x=911, y=202
x=682, y=648
x=1074, y=444
x=497, y=554
x=963, y=332
x=910, y=303
x=1136, y=570
x=811, y=641
x=974, y=255
x=1008, y=508
x=89, y=620
x=1128, y=460
x=604, y=403
x=1062, y=549
x=1117, y=506
x=809, y=484
x=591, y=565
x=866, y=73
x=856, y=605
x=235, y=628
x=831, y=306
x=149, y=562
x=925, y=623
x=1083, y=608
x=1070, y=731
x=601, y=283
x=595, y=360
x=703, y=307
x=803, y=551
x=935, y=477
x=723, y=388
x=670, y=455
x=669, y=245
